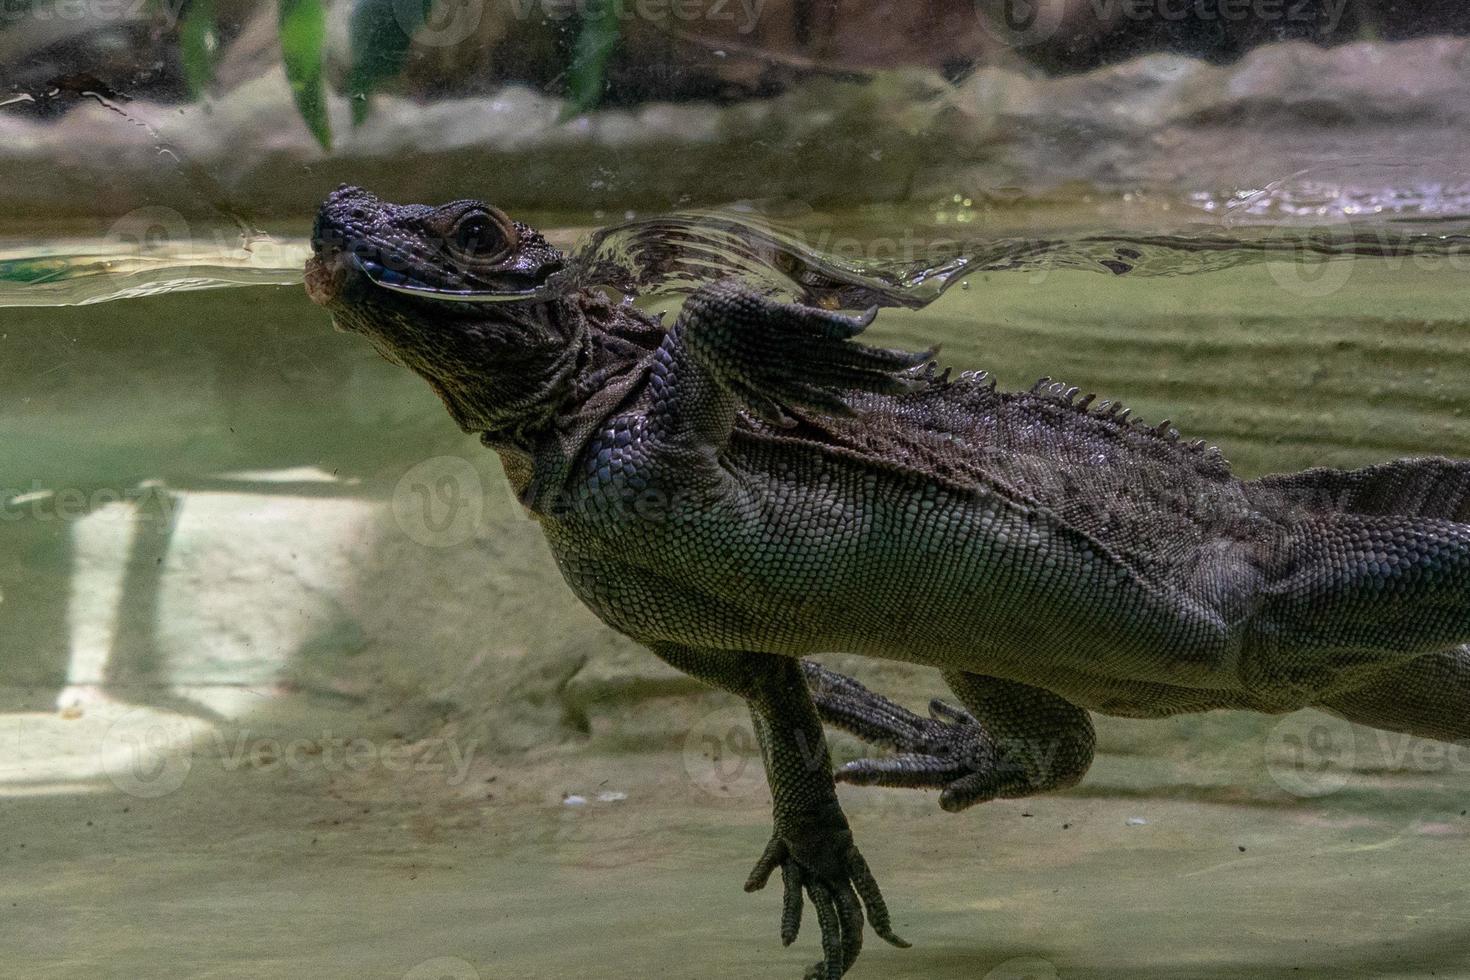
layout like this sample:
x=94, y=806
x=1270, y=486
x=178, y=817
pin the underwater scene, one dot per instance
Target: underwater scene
x=435, y=433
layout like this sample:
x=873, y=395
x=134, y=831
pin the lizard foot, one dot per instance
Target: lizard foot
x=830, y=871
x=949, y=750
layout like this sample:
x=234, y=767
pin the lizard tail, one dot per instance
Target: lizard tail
x=1427, y=487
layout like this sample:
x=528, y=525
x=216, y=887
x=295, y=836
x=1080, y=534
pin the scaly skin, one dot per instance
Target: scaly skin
x=751, y=485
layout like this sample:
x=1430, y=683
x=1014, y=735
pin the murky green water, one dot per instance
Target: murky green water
x=257, y=688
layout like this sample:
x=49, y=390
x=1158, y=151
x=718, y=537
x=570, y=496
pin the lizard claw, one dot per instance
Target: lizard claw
x=841, y=888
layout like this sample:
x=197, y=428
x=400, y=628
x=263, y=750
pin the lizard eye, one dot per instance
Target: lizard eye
x=483, y=236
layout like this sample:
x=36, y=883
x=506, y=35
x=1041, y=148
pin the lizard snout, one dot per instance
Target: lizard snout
x=339, y=225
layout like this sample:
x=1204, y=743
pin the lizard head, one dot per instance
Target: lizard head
x=464, y=251
x=475, y=303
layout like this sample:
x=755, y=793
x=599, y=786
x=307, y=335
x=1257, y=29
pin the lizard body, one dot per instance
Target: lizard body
x=751, y=485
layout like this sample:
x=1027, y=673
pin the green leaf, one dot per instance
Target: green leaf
x=380, y=42
x=303, y=36
x=588, y=71
x=196, y=46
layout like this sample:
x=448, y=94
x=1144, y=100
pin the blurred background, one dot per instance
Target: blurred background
x=256, y=109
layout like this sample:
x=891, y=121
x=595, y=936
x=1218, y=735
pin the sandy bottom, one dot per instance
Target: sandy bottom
x=291, y=851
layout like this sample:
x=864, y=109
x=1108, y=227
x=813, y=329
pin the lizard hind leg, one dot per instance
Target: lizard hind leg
x=1010, y=740
x=1428, y=697
x=1351, y=600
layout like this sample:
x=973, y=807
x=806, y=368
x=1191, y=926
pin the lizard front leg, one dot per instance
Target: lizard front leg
x=811, y=842
x=734, y=348
x=1014, y=740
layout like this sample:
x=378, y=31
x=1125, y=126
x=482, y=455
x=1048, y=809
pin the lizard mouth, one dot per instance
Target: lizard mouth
x=329, y=272
x=335, y=281
x=325, y=278
x=508, y=292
